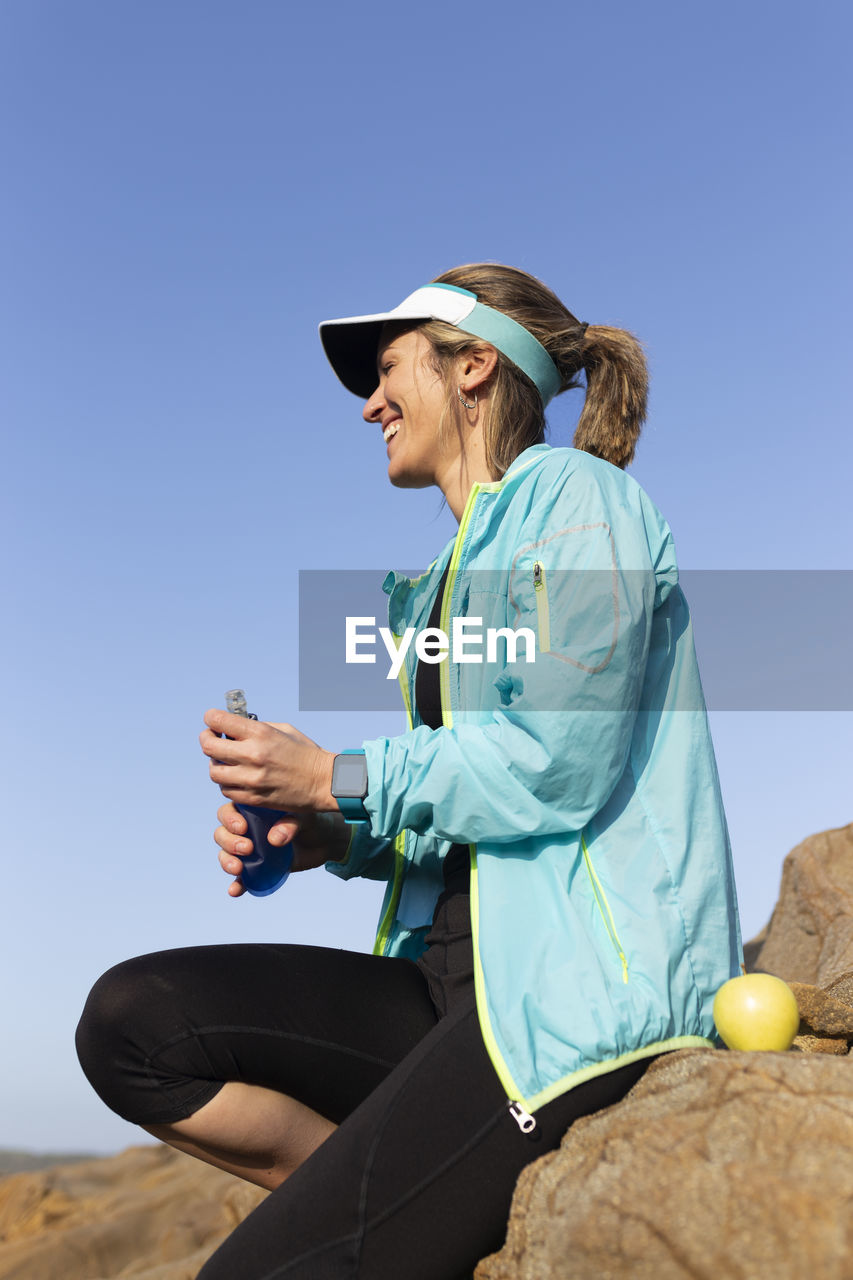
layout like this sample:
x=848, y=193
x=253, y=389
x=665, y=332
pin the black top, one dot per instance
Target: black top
x=448, y=962
x=428, y=703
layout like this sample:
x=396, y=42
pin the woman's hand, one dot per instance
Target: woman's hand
x=273, y=765
x=316, y=838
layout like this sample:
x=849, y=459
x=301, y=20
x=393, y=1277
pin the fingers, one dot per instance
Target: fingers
x=281, y=833
x=237, y=780
x=226, y=722
x=231, y=739
x=260, y=763
x=235, y=766
x=222, y=749
x=240, y=729
x=232, y=844
x=232, y=841
x=230, y=865
x=230, y=818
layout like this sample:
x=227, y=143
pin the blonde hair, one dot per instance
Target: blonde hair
x=616, y=374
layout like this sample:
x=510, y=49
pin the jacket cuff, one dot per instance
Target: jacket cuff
x=368, y=856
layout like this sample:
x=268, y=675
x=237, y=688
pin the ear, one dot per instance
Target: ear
x=476, y=366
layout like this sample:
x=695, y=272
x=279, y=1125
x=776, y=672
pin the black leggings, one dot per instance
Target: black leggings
x=417, y=1180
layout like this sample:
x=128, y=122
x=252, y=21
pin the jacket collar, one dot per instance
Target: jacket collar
x=400, y=588
x=534, y=454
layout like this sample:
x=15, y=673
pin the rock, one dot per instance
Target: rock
x=820, y=1044
x=826, y=1024
x=716, y=1164
x=810, y=935
x=12, y=1161
x=821, y=1013
x=150, y=1213
x=841, y=988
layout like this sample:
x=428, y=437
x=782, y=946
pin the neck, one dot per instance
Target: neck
x=458, y=486
x=465, y=469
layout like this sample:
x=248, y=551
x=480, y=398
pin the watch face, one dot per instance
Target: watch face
x=349, y=777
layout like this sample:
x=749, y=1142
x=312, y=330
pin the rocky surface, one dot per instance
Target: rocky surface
x=716, y=1166
x=149, y=1213
x=826, y=1024
x=810, y=935
x=13, y=1161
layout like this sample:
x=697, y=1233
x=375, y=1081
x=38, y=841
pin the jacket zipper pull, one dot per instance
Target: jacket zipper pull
x=522, y=1118
x=537, y=575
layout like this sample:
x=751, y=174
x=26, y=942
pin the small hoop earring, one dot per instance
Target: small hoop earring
x=463, y=401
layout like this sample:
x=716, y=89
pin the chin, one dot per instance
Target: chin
x=405, y=480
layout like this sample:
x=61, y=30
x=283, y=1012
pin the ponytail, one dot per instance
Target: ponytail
x=617, y=385
x=612, y=359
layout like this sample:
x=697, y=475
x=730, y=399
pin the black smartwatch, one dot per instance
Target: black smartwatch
x=349, y=784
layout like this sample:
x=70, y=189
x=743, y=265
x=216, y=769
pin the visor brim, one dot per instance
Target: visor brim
x=350, y=348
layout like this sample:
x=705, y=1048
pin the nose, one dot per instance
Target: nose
x=372, y=410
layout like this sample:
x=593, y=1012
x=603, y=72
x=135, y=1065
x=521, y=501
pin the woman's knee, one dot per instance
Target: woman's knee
x=108, y=1012
x=123, y=1019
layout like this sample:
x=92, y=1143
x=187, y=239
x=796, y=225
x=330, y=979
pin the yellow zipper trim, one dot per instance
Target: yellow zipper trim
x=571, y=1081
x=603, y=905
x=403, y=681
x=574, y=1078
x=543, y=612
x=493, y=486
x=452, y=568
x=504, y=1074
x=383, y=933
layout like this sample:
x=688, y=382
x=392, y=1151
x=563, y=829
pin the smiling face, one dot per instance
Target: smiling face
x=407, y=405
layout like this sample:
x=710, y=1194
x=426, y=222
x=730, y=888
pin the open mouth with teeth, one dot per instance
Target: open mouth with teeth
x=391, y=430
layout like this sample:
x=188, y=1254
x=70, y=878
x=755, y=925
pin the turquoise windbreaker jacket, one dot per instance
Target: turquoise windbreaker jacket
x=603, y=903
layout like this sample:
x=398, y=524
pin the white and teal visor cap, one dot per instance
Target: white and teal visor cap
x=351, y=344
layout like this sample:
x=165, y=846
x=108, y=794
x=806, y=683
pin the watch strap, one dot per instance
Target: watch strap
x=352, y=807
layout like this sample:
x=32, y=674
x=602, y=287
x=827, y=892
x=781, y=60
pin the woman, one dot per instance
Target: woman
x=560, y=905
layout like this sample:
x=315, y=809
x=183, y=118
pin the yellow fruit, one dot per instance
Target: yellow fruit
x=756, y=1011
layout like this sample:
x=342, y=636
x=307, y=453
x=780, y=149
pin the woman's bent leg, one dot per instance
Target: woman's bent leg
x=418, y=1181
x=248, y=1056
x=248, y=1130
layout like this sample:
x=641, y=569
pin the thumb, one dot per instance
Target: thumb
x=281, y=833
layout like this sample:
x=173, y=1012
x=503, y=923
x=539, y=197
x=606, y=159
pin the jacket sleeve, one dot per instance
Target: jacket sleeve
x=366, y=856
x=548, y=753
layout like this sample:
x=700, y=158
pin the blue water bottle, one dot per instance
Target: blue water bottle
x=267, y=867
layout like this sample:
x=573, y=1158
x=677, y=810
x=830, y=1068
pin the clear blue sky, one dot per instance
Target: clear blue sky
x=189, y=186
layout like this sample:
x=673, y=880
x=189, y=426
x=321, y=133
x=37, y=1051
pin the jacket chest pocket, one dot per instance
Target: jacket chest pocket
x=543, y=611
